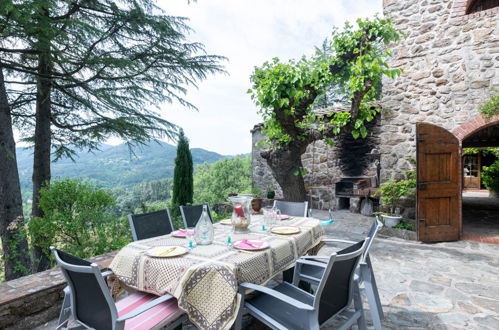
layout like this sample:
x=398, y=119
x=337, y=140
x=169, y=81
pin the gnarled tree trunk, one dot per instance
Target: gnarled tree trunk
x=14, y=244
x=287, y=167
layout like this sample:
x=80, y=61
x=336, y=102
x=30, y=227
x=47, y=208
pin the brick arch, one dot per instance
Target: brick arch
x=460, y=8
x=474, y=125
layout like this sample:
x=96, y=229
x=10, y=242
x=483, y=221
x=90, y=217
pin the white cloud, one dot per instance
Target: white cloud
x=248, y=33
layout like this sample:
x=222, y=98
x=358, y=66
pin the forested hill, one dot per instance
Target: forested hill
x=114, y=165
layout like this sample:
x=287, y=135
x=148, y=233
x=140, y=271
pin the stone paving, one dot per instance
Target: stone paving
x=451, y=285
x=424, y=286
x=480, y=216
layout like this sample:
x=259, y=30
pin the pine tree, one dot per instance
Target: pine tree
x=182, y=175
x=78, y=72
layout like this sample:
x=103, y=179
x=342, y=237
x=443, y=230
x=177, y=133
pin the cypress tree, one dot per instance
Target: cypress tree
x=182, y=175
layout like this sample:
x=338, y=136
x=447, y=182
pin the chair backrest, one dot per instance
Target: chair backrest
x=91, y=301
x=294, y=209
x=192, y=213
x=150, y=224
x=370, y=237
x=335, y=290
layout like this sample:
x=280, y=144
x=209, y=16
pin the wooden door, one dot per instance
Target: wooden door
x=438, y=211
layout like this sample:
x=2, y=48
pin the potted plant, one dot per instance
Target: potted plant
x=391, y=194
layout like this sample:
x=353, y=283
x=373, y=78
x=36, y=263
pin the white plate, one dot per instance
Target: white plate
x=226, y=222
x=285, y=230
x=167, y=251
x=264, y=246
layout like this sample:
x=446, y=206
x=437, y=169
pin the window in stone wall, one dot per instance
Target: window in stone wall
x=479, y=5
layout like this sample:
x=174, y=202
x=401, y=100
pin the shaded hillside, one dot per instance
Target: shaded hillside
x=114, y=165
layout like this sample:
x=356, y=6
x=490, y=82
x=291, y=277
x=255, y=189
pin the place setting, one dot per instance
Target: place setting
x=166, y=251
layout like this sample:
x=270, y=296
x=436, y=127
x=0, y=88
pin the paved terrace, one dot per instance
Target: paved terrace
x=424, y=286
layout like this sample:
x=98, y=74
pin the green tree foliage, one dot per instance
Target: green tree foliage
x=78, y=219
x=182, y=175
x=351, y=64
x=485, y=151
x=128, y=199
x=213, y=182
x=110, y=64
x=490, y=177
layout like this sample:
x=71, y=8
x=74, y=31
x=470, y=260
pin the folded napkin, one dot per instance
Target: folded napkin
x=282, y=217
x=180, y=232
x=326, y=222
x=249, y=244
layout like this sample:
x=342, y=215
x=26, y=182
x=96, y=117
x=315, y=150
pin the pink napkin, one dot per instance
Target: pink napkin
x=246, y=244
x=282, y=217
x=181, y=232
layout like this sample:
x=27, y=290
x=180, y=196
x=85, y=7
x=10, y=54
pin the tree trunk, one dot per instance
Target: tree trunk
x=14, y=244
x=286, y=167
x=42, y=150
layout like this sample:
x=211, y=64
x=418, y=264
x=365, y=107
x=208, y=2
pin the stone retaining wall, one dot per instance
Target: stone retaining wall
x=35, y=299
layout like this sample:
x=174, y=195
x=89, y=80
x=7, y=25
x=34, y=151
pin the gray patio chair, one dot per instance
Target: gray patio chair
x=143, y=226
x=150, y=224
x=294, y=209
x=365, y=274
x=288, y=307
x=93, y=307
x=192, y=213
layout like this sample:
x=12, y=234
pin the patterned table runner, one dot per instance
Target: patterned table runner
x=205, y=280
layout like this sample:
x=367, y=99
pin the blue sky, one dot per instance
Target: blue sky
x=248, y=33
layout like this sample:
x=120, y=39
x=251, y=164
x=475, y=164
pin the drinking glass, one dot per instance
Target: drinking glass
x=276, y=215
x=189, y=234
x=268, y=217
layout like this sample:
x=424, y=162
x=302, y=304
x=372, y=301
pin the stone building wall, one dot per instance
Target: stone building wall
x=450, y=62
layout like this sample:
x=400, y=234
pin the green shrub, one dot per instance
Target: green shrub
x=392, y=192
x=405, y=225
x=490, y=177
x=78, y=219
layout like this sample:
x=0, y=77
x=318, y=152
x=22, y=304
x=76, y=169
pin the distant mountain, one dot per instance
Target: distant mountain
x=113, y=166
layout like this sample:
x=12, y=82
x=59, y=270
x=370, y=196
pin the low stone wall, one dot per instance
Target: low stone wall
x=32, y=300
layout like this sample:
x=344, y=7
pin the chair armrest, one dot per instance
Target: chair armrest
x=333, y=240
x=311, y=263
x=107, y=273
x=315, y=257
x=282, y=297
x=145, y=307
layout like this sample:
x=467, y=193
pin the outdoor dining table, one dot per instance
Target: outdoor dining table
x=205, y=280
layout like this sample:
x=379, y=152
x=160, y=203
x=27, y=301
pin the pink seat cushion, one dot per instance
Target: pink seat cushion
x=154, y=318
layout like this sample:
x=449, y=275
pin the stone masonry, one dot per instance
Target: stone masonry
x=325, y=165
x=450, y=63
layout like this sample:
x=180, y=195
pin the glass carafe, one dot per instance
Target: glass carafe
x=204, y=228
x=241, y=214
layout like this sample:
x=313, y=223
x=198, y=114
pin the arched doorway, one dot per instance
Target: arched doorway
x=440, y=195
x=480, y=212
